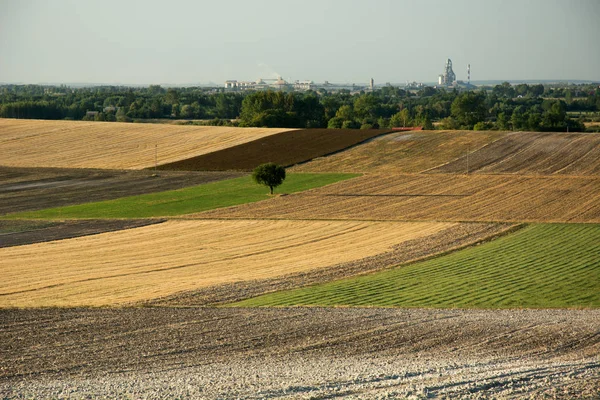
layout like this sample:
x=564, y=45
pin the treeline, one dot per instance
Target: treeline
x=503, y=107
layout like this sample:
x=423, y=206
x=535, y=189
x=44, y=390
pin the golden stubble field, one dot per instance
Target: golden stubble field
x=78, y=144
x=155, y=261
x=436, y=197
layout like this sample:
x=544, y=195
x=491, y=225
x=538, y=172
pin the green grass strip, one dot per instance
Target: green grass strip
x=184, y=201
x=540, y=266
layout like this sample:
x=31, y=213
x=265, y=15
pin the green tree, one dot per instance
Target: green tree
x=269, y=174
x=468, y=109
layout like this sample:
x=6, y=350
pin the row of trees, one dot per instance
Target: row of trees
x=519, y=107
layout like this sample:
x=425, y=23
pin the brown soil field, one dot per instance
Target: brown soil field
x=159, y=260
x=299, y=353
x=21, y=232
x=403, y=152
x=113, y=145
x=27, y=189
x=533, y=153
x=287, y=148
x=436, y=197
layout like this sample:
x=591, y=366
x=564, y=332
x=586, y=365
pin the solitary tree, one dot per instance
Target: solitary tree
x=269, y=174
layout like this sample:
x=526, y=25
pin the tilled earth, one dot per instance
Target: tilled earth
x=21, y=232
x=28, y=189
x=299, y=353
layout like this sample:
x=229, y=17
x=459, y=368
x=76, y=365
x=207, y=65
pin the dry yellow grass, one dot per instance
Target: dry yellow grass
x=408, y=152
x=436, y=197
x=78, y=144
x=154, y=261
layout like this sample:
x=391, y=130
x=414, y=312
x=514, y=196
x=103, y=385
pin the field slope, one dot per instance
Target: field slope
x=158, y=260
x=287, y=148
x=533, y=153
x=78, y=144
x=409, y=152
x=540, y=266
x=437, y=197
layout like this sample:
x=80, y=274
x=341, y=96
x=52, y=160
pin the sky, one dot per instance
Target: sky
x=190, y=42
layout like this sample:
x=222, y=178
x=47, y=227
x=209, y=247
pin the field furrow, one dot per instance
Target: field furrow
x=407, y=152
x=532, y=153
x=544, y=265
x=436, y=197
x=159, y=260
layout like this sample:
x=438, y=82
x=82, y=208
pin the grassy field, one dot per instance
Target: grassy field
x=184, y=201
x=546, y=265
x=162, y=259
x=115, y=145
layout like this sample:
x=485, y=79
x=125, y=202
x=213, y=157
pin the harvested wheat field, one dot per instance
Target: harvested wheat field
x=412, y=151
x=436, y=197
x=77, y=144
x=533, y=153
x=158, y=260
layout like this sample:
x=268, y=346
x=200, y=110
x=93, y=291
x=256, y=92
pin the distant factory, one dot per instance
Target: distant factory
x=283, y=85
x=448, y=78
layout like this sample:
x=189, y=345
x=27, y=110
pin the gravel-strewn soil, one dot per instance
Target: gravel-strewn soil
x=298, y=353
x=448, y=239
x=28, y=189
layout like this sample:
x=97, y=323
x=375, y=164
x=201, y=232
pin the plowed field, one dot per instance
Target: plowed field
x=27, y=189
x=533, y=153
x=77, y=144
x=437, y=197
x=158, y=260
x=403, y=152
x=287, y=148
x=368, y=353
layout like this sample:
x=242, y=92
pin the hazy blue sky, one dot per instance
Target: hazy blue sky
x=142, y=42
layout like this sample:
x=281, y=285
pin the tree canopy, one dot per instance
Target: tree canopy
x=269, y=174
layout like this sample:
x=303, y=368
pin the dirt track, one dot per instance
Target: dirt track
x=27, y=189
x=298, y=353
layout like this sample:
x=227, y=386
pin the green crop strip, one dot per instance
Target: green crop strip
x=541, y=266
x=184, y=201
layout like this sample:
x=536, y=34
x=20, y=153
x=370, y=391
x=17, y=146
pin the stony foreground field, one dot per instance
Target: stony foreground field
x=114, y=145
x=299, y=353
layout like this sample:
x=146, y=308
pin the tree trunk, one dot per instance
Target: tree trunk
x=271, y=187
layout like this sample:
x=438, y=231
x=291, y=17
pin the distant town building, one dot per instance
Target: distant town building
x=283, y=85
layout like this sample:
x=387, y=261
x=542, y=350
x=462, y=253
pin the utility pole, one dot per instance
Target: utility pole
x=155, y=157
x=468, y=151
